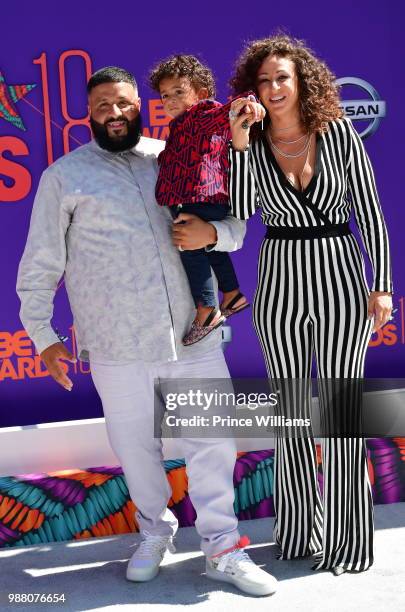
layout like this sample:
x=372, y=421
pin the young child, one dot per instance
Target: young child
x=193, y=179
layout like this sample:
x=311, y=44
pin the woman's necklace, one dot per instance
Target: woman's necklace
x=292, y=141
x=291, y=155
x=306, y=149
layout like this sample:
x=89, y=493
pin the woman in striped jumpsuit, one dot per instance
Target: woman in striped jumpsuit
x=306, y=168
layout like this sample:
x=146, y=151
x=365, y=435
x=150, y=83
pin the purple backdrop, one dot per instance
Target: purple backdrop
x=51, y=47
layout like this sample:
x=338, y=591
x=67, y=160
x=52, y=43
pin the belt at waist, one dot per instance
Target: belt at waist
x=308, y=233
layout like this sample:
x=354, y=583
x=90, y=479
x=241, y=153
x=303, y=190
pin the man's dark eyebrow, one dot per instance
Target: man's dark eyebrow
x=123, y=98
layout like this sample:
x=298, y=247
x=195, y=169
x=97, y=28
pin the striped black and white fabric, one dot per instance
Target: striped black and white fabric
x=312, y=298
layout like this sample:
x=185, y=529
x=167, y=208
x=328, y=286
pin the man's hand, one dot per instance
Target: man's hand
x=51, y=357
x=191, y=232
x=379, y=308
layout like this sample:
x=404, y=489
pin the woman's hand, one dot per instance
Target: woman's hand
x=250, y=112
x=379, y=308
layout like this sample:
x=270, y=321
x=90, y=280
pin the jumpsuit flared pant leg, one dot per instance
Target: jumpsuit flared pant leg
x=312, y=299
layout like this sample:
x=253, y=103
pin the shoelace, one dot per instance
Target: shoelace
x=154, y=544
x=225, y=554
x=233, y=559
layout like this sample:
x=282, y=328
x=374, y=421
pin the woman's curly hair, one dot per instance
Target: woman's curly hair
x=318, y=92
x=178, y=66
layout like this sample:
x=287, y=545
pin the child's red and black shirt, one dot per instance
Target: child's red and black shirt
x=194, y=163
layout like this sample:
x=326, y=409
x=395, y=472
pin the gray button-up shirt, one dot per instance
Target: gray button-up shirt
x=95, y=220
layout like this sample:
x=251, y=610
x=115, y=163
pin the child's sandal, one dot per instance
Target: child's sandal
x=230, y=309
x=199, y=331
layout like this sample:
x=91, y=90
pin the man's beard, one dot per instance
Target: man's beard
x=118, y=143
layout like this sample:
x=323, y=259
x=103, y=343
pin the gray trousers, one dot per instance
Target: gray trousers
x=129, y=400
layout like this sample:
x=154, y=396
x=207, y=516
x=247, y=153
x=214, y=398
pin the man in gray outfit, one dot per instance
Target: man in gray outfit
x=95, y=220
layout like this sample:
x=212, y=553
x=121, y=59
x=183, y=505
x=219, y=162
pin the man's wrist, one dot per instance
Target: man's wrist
x=44, y=338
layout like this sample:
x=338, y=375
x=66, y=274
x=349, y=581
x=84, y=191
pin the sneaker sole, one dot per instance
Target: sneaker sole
x=256, y=590
x=141, y=575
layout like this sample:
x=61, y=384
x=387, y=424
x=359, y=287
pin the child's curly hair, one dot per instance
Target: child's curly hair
x=318, y=92
x=179, y=66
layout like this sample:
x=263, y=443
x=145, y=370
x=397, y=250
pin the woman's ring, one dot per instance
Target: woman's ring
x=245, y=125
x=180, y=248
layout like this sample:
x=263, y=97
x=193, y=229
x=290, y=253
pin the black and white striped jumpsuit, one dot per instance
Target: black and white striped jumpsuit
x=312, y=296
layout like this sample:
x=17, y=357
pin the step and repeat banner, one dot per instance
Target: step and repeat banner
x=46, y=57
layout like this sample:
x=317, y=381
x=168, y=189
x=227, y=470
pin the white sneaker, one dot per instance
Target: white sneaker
x=144, y=563
x=237, y=568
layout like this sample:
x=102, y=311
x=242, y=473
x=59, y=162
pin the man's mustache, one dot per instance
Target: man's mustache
x=117, y=119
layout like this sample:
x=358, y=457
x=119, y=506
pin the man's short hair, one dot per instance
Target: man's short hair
x=111, y=74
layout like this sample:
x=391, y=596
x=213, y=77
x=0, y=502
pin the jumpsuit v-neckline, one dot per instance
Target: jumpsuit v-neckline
x=300, y=193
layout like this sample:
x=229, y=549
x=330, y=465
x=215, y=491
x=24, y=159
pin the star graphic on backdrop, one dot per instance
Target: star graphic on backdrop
x=9, y=95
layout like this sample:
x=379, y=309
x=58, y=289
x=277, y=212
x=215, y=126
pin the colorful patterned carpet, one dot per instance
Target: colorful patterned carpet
x=78, y=504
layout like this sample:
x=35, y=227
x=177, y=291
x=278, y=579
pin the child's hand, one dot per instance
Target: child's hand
x=244, y=112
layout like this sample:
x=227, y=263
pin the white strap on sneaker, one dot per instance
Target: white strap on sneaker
x=223, y=562
x=233, y=559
